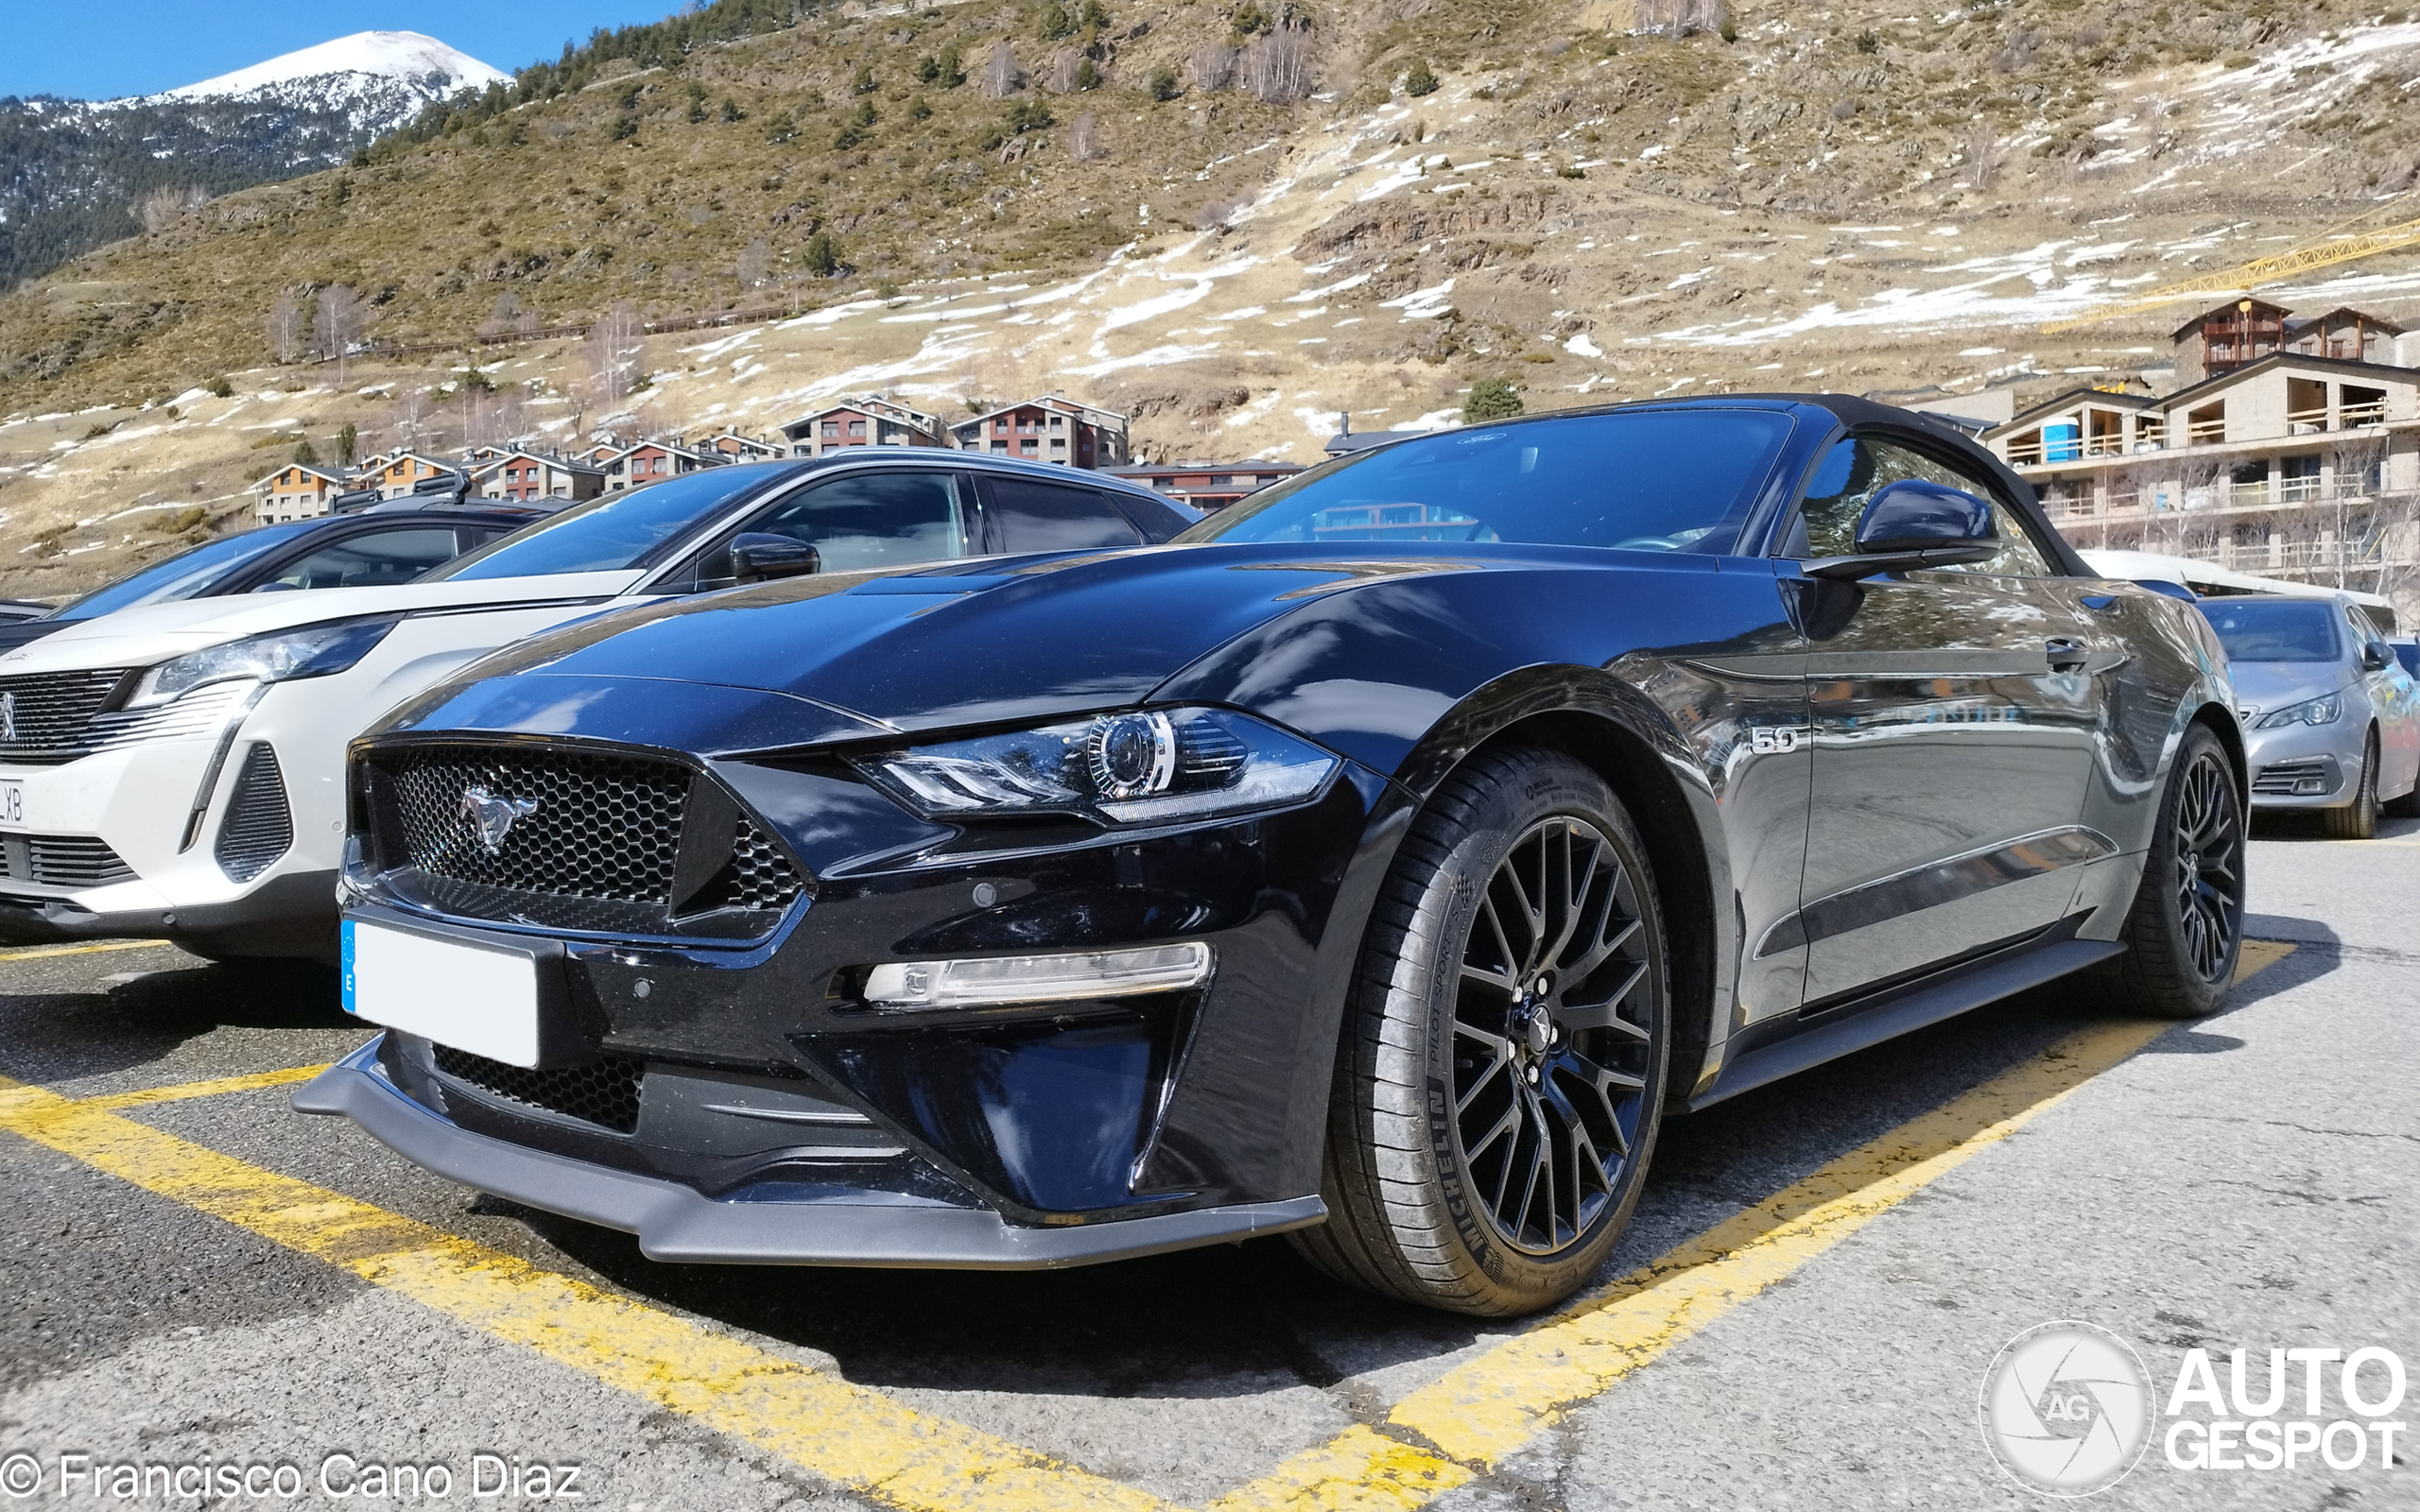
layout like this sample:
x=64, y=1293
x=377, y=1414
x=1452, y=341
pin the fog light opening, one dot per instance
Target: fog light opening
x=907, y=985
x=2309, y=785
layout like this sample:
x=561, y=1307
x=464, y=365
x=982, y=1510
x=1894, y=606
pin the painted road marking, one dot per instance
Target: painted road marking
x=848, y=1434
x=1476, y=1414
x=40, y=950
x=201, y=1089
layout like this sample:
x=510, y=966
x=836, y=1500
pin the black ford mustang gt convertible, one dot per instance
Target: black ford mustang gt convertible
x=1377, y=863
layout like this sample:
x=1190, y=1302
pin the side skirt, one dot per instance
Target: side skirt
x=1895, y=1010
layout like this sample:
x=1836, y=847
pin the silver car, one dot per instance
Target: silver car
x=2331, y=719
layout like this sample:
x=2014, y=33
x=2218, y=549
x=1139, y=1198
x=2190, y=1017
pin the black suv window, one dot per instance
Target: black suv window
x=380, y=559
x=1029, y=515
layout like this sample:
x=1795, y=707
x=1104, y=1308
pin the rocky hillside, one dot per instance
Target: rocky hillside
x=75, y=175
x=1235, y=221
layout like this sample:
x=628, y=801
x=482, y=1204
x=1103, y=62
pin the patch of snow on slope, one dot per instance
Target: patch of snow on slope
x=403, y=56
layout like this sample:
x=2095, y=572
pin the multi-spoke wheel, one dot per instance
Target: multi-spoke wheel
x=1550, y=1041
x=2187, y=919
x=1503, y=1063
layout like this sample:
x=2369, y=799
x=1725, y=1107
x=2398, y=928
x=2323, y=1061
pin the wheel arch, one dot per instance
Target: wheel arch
x=2223, y=725
x=1683, y=858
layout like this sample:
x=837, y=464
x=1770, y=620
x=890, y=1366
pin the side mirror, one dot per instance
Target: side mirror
x=2372, y=657
x=757, y=557
x=1913, y=524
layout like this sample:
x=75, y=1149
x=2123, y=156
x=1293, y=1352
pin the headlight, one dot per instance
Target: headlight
x=2310, y=712
x=1146, y=766
x=314, y=652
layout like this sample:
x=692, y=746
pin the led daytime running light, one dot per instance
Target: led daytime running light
x=999, y=982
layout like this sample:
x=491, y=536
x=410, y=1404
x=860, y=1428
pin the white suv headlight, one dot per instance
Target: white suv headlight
x=313, y=652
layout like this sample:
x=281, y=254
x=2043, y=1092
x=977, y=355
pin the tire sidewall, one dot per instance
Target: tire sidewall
x=2163, y=856
x=1451, y=904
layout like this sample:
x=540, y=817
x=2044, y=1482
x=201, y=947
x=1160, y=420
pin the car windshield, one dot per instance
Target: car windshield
x=1641, y=479
x=610, y=534
x=2274, y=629
x=186, y=574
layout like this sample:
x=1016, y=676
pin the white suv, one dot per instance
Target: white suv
x=176, y=770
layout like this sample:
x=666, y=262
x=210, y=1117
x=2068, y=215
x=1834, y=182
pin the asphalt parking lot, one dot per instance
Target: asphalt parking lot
x=1802, y=1314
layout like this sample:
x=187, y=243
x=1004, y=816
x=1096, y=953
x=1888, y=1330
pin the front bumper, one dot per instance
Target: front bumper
x=840, y=1227
x=2305, y=767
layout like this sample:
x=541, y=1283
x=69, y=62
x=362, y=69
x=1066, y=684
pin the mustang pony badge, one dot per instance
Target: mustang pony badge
x=494, y=816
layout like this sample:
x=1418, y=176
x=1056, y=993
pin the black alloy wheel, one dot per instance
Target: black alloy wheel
x=1500, y=1074
x=1551, y=1058
x=2208, y=866
x=2186, y=927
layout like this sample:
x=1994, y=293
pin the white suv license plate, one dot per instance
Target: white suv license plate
x=482, y=1000
x=13, y=804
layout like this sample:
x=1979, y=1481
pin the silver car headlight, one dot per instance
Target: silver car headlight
x=2309, y=712
x=314, y=652
x=1142, y=767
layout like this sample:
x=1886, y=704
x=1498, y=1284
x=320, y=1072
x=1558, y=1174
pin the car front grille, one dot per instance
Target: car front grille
x=2280, y=779
x=572, y=839
x=46, y=718
x=604, y=1092
x=62, y=861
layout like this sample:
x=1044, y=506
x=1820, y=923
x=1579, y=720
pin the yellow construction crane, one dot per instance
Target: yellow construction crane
x=2245, y=277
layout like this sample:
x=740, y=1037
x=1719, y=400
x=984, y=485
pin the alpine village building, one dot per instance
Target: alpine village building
x=2289, y=448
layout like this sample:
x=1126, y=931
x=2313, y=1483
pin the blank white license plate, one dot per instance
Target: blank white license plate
x=13, y=804
x=482, y=1000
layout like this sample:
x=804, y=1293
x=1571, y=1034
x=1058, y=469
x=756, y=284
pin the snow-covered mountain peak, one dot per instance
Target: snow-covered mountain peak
x=376, y=64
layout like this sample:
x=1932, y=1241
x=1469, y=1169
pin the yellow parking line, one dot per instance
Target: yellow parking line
x=38, y=951
x=203, y=1088
x=845, y=1432
x=1476, y=1415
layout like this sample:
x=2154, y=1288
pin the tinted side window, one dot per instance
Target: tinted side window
x=868, y=520
x=1054, y=517
x=380, y=560
x=1855, y=470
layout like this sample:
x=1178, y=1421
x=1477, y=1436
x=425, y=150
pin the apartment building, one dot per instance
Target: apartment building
x=1206, y=485
x=865, y=421
x=397, y=474
x=522, y=476
x=294, y=491
x=727, y=445
x=2281, y=453
x=1052, y=428
x=634, y=467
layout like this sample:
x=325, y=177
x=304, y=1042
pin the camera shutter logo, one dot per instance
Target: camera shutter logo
x=2067, y=1409
x=495, y=816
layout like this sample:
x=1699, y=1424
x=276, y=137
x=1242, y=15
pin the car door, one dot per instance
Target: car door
x=370, y=558
x=2392, y=698
x=856, y=520
x=1951, y=760
x=1041, y=514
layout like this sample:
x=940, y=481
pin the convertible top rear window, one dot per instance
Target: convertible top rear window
x=1640, y=480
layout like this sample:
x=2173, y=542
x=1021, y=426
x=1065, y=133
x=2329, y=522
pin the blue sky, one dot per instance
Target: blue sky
x=137, y=46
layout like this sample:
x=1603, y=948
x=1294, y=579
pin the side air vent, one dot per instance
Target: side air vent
x=259, y=827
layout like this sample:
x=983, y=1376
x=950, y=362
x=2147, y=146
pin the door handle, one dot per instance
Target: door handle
x=2066, y=653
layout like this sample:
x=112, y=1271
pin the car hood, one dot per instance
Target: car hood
x=154, y=632
x=2263, y=687
x=1025, y=639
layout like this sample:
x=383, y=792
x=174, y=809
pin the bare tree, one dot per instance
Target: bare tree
x=408, y=418
x=1001, y=72
x=163, y=206
x=1681, y=18
x=285, y=325
x=1064, y=65
x=1084, y=143
x=1982, y=151
x=336, y=325
x=1277, y=67
x=612, y=354
x=755, y=261
x=500, y=316
x=1211, y=66
x=2358, y=465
